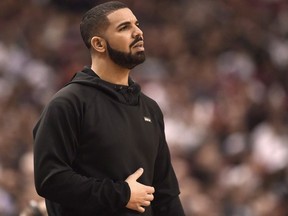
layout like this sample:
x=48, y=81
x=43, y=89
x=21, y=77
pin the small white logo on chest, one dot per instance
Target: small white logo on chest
x=147, y=119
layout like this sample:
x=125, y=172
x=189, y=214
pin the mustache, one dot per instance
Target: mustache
x=137, y=39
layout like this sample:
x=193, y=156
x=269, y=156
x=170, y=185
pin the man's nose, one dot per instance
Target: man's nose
x=137, y=32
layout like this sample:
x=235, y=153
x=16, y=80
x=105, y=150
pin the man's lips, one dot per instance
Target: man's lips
x=137, y=41
x=139, y=44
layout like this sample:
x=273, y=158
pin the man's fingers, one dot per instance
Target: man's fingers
x=149, y=197
x=141, y=195
x=150, y=190
x=146, y=203
x=136, y=174
x=140, y=209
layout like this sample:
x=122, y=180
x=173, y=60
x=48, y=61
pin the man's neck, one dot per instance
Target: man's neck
x=111, y=73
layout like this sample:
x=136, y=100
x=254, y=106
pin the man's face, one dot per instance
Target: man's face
x=125, y=45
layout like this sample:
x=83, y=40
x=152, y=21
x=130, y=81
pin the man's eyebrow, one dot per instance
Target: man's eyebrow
x=124, y=24
x=127, y=23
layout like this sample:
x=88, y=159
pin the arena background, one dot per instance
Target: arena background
x=217, y=68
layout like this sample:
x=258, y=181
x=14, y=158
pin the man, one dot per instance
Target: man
x=100, y=147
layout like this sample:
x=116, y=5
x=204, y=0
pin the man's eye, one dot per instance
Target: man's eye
x=123, y=28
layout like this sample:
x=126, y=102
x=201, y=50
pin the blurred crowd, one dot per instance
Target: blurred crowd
x=217, y=68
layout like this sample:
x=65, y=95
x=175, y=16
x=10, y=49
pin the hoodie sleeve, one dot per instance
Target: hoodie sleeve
x=166, y=202
x=56, y=138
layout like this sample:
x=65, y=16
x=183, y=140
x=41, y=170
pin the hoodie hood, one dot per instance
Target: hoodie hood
x=125, y=94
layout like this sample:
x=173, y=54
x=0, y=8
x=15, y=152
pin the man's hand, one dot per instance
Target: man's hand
x=141, y=195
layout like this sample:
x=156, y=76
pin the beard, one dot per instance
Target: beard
x=126, y=60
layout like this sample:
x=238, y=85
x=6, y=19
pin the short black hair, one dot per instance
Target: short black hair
x=95, y=21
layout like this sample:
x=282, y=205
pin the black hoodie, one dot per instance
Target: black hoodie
x=90, y=137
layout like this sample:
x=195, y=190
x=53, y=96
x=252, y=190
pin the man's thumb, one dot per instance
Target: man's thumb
x=137, y=174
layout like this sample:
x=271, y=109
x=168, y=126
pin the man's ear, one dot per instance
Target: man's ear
x=98, y=44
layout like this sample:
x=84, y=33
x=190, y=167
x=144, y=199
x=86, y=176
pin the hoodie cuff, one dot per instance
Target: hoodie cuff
x=126, y=194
